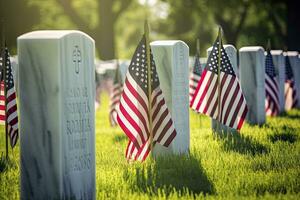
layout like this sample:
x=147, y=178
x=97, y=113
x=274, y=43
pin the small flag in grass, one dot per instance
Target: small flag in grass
x=218, y=93
x=290, y=87
x=8, y=102
x=272, y=99
x=143, y=114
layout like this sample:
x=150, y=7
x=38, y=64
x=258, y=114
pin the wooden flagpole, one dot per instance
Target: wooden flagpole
x=218, y=79
x=146, y=29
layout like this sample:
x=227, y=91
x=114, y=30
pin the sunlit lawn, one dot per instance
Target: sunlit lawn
x=261, y=162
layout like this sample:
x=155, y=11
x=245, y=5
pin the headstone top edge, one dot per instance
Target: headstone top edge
x=252, y=48
x=225, y=46
x=292, y=53
x=51, y=34
x=276, y=52
x=168, y=43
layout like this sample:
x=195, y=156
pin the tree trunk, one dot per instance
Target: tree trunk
x=293, y=28
x=106, y=30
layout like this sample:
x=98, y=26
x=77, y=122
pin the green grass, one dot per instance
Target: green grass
x=261, y=162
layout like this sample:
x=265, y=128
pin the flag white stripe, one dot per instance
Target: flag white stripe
x=12, y=116
x=208, y=94
x=167, y=135
x=135, y=118
x=130, y=127
x=229, y=97
x=232, y=108
x=241, y=110
x=200, y=91
x=11, y=104
x=138, y=89
x=137, y=104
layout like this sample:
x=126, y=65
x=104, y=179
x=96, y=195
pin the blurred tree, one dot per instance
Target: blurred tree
x=293, y=30
x=231, y=15
x=245, y=22
x=188, y=20
x=109, y=12
x=17, y=18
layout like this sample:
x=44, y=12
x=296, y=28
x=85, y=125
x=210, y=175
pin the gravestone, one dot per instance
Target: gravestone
x=172, y=63
x=57, y=115
x=123, y=68
x=279, y=64
x=232, y=55
x=252, y=79
x=295, y=63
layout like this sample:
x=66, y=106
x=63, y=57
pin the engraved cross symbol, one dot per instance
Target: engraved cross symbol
x=76, y=58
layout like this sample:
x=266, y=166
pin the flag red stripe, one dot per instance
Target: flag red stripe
x=166, y=128
x=170, y=139
x=128, y=132
x=198, y=87
x=237, y=108
x=205, y=91
x=132, y=122
x=227, y=91
x=137, y=112
x=161, y=119
x=243, y=116
x=136, y=95
x=210, y=98
x=232, y=100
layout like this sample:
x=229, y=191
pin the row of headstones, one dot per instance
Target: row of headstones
x=56, y=94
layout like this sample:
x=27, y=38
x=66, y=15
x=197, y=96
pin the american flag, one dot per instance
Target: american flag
x=272, y=92
x=133, y=153
x=115, y=97
x=2, y=98
x=11, y=117
x=233, y=108
x=290, y=87
x=133, y=112
x=195, y=75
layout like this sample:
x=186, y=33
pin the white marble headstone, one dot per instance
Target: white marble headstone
x=172, y=62
x=295, y=63
x=232, y=55
x=57, y=115
x=252, y=79
x=279, y=64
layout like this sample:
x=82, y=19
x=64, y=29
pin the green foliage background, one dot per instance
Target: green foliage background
x=260, y=163
x=185, y=20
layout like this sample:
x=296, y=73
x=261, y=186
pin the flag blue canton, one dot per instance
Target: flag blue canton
x=270, y=69
x=197, y=65
x=212, y=61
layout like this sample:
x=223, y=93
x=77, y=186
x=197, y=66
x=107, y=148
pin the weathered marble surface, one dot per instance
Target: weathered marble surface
x=57, y=115
x=252, y=79
x=279, y=64
x=172, y=63
x=232, y=55
x=295, y=63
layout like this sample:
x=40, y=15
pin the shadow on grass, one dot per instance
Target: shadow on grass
x=290, y=115
x=181, y=173
x=285, y=134
x=120, y=138
x=242, y=144
x=5, y=164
